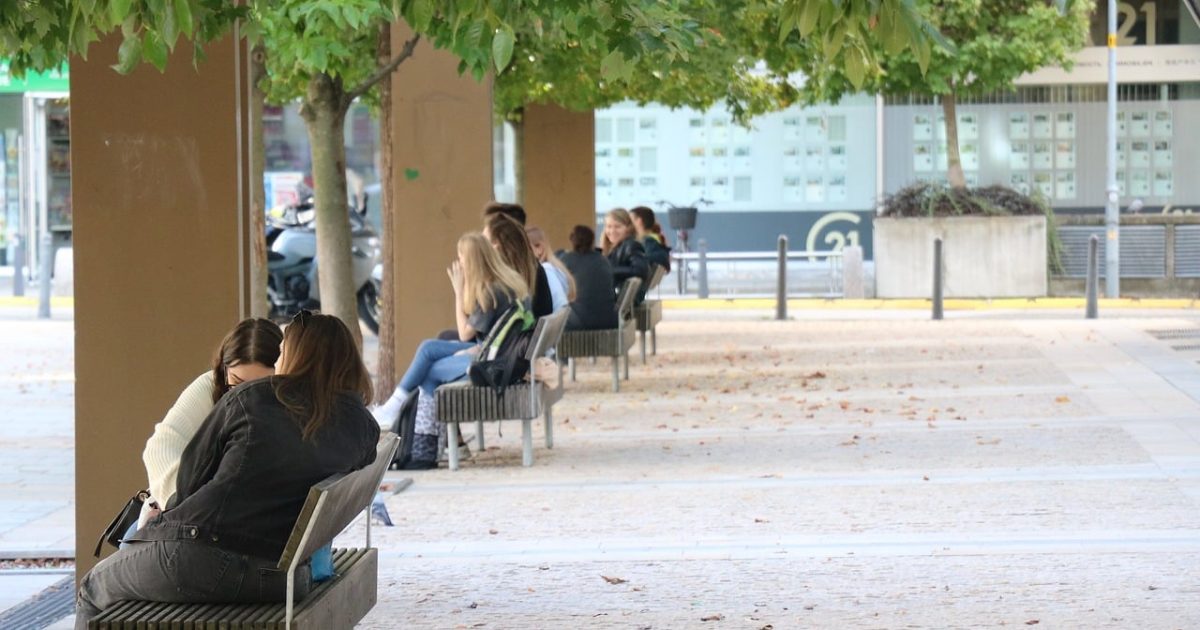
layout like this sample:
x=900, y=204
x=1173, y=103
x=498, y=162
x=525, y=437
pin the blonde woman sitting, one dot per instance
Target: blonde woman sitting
x=483, y=288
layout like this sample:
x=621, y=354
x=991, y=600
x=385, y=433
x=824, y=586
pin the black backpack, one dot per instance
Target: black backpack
x=405, y=424
x=501, y=360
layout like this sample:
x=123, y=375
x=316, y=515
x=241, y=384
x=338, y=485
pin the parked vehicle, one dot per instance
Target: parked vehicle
x=292, y=262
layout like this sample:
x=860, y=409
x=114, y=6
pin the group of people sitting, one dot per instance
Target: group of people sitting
x=231, y=463
x=508, y=263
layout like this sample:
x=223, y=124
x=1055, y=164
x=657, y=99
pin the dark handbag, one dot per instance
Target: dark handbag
x=124, y=519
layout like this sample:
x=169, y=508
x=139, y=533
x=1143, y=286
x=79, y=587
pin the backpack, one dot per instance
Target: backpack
x=501, y=360
x=404, y=426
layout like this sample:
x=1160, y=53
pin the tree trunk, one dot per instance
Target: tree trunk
x=259, y=303
x=955, y=172
x=385, y=379
x=519, y=159
x=324, y=115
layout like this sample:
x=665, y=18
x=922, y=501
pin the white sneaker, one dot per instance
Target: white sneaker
x=386, y=413
x=464, y=452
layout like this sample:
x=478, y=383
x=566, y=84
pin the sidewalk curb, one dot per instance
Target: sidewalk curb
x=918, y=304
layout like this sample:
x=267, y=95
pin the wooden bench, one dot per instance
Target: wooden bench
x=463, y=402
x=615, y=343
x=649, y=313
x=339, y=602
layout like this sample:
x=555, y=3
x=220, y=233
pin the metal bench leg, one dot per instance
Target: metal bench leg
x=479, y=434
x=593, y=360
x=549, y=427
x=616, y=374
x=643, y=337
x=453, y=440
x=627, y=365
x=654, y=341
x=572, y=362
x=527, y=442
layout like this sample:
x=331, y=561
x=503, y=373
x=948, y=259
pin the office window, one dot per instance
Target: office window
x=741, y=189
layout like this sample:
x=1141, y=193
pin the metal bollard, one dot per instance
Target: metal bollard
x=18, y=265
x=1093, y=277
x=45, y=271
x=781, y=280
x=937, y=279
x=702, y=289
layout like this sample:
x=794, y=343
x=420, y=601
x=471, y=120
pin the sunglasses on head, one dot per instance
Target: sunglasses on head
x=302, y=317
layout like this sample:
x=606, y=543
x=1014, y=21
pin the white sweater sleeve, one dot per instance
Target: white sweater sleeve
x=165, y=447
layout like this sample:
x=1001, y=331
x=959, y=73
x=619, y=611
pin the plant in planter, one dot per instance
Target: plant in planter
x=998, y=242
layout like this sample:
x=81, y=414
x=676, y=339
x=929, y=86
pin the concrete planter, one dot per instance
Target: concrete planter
x=985, y=257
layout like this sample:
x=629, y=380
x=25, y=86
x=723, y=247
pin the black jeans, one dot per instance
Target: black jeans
x=178, y=571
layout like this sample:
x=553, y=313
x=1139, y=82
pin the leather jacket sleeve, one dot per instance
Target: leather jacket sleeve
x=630, y=262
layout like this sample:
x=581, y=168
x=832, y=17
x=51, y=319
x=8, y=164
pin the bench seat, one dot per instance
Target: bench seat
x=339, y=602
x=614, y=342
x=461, y=401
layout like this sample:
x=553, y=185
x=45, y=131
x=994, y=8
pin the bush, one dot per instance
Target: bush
x=938, y=200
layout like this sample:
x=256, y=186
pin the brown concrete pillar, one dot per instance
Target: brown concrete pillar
x=442, y=177
x=158, y=172
x=559, y=170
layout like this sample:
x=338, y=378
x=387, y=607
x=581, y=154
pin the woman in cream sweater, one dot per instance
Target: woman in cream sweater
x=247, y=353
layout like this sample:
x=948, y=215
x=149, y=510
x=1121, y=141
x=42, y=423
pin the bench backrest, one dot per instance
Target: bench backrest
x=547, y=333
x=659, y=273
x=625, y=297
x=333, y=503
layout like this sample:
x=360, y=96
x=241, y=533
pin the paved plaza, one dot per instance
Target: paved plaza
x=843, y=469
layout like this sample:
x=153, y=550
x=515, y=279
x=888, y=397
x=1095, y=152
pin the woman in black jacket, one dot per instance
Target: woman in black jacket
x=244, y=478
x=595, y=303
x=624, y=252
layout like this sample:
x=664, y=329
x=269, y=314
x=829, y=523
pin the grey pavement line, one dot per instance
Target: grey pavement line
x=24, y=553
x=909, y=477
x=828, y=428
x=938, y=544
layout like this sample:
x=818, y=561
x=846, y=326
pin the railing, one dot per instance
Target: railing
x=694, y=266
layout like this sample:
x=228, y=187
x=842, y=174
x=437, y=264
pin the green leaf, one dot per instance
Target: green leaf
x=613, y=66
x=502, y=48
x=856, y=67
x=808, y=17
x=128, y=55
x=422, y=15
x=183, y=17
x=118, y=10
x=155, y=51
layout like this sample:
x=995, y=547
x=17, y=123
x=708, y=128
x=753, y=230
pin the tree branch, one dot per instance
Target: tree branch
x=383, y=72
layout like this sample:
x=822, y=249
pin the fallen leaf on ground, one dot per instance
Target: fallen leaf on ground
x=1063, y=399
x=614, y=580
x=493, y=532
x=815, y=375
x=716, y=617
x=763, y=520
x=1032, y=622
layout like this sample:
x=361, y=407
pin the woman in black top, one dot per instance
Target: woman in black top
x=595, y=304
x=245, y=476
x=650, y=234
x=624, y=252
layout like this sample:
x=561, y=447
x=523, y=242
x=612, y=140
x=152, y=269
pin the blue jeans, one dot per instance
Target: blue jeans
x=322, y=559
x=436, y=364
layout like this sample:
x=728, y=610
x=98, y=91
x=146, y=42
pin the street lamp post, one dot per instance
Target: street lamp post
x=1112, y=210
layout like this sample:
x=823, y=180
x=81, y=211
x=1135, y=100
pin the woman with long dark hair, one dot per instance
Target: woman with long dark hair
x=245, y=476
x=510, y=240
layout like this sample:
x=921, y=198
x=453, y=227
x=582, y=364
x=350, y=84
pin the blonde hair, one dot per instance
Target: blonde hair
x=484, y=271
x=620, y=215
x=537, y=235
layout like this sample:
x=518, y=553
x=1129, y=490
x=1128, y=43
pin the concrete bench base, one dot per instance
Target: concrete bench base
x=340, y=602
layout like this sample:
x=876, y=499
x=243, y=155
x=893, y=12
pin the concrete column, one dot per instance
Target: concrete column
x=853, y=282
x=442, y=177
x=158, y=173
x=560, y=170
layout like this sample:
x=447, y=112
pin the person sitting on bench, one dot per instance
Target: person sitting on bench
x=562, y=285
x=625, y=253
x=595, y=303
x=245, y=476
